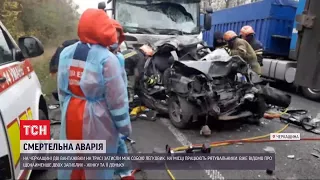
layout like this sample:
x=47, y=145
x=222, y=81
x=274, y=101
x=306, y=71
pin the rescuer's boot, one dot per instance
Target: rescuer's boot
x=136, y=111
x=205, y=131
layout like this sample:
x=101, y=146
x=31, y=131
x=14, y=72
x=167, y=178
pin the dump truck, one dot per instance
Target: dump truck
x=288, y=31
x=147, y=21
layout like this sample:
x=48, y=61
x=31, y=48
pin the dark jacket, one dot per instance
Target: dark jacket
x=258, y=48
x=134, y=62
x=54, y=62
x=134, y=66
x=218, y=40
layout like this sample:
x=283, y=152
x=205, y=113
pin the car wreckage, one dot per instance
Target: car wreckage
x=193, y=82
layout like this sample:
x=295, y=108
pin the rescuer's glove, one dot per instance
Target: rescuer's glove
x=151, y=81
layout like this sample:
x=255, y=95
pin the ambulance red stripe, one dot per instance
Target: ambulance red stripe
x=12, y=122
x=24, y=175
x=15, y=73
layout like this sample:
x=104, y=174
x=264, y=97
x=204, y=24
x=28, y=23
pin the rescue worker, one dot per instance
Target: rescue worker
x=134, y=65
x=122, y=147
x=219, y=42
x=93, y=96
x=54, y=62
x=247, y=33
x=243, y=49
x=116, y=49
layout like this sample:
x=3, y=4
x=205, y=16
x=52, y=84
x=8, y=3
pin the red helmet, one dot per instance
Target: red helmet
x=246, y=30
x=229, y=35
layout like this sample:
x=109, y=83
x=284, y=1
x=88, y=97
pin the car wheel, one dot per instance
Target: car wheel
x=43, y=116
x=313, y=94
x=178, y=117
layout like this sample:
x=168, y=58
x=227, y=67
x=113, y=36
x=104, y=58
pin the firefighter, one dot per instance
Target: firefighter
x=247, y=33
x=134, y=65
x=243, y=49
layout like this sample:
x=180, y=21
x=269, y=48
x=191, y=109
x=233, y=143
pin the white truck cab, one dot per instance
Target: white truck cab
x=20, y=98
x=147, y=21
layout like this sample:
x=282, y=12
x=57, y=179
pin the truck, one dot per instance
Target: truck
x=147, y=21
x=288, y=31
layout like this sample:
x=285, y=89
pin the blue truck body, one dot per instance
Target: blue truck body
x=273, y=21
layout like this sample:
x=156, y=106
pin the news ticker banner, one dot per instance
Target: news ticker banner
x=39, y=152
x=219, y=161
x=63, y=146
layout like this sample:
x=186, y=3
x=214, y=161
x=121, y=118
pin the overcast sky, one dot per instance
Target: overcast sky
x=85, y=4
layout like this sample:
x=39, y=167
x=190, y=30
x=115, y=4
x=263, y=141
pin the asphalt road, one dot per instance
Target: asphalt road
x=149, y=135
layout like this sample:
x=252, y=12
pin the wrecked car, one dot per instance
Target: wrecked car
x=218, y=87
x=167, y=51
x=192, y=82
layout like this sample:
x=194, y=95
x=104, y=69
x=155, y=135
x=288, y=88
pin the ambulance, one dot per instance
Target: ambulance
x=20, y=98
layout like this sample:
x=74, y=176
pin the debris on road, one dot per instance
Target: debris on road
x=291, y=156
x=301, y=118
x=269, y=172
x=205, y=131
x=269, y=149
x=318, y=150
x=316, y=155
x=239, y=143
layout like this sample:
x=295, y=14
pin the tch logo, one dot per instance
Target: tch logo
x=35, y=130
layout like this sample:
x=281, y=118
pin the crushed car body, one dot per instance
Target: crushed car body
x=193, y=82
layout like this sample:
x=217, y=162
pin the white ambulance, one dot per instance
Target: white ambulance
x=20, y=98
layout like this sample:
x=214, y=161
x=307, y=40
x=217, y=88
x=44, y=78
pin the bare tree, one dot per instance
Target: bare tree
x=222, y=4
x=227, y=3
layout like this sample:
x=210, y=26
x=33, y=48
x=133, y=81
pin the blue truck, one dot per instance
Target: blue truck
x=288, y=31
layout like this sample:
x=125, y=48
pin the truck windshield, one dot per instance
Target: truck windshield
x=159, y=17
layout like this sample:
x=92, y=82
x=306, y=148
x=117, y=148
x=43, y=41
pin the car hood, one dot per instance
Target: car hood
x=202, y=66
x=212, y=69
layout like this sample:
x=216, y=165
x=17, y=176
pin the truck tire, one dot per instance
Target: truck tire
x=313, y=94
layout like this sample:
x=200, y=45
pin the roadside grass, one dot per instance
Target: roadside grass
x=41, y=67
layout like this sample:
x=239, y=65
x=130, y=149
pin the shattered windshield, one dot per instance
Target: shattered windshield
x=159, y=17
